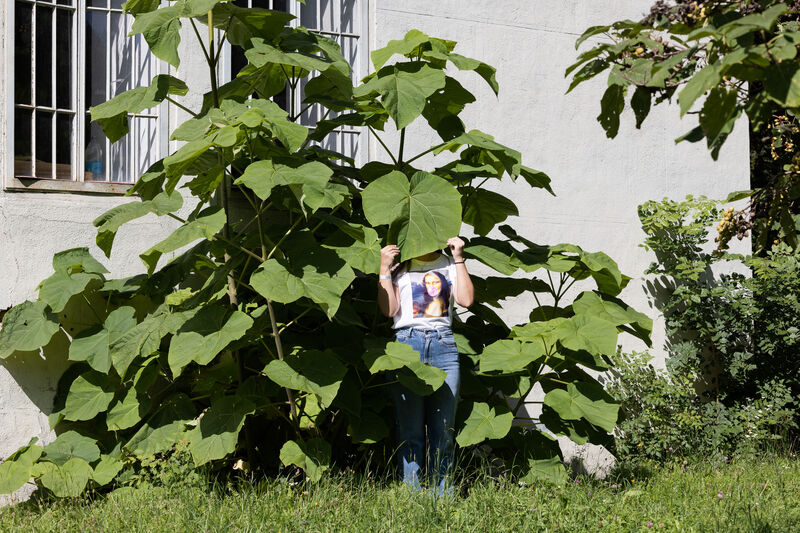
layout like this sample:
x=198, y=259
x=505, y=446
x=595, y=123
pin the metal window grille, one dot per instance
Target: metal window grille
x=79, y=56
x=344, y=21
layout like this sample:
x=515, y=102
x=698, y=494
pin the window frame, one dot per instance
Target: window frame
x=10, y=181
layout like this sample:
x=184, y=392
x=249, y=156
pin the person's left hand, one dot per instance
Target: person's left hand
x=456, y=246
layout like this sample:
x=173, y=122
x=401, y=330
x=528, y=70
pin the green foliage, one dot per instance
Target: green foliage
x=723, y=60
x=730, y=383
x=258, y=342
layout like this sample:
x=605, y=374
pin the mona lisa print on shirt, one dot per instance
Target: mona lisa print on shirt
x=430, y=293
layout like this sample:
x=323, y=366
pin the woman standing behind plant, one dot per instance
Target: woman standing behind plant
x=419, y=295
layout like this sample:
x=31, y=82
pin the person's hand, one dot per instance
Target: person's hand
x=388, y=253
x=456, y=246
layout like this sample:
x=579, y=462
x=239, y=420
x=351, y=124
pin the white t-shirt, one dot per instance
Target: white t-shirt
x=426, y=293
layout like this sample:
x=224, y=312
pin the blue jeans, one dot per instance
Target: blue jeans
x=435, y=413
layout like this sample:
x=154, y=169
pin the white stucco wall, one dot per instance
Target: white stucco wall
x=599, y=182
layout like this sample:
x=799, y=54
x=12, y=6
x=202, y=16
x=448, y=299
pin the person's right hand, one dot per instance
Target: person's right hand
x=388, y=253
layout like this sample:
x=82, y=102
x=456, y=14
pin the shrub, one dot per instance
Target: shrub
x=731, y=383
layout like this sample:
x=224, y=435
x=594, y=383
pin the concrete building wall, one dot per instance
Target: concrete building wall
x=599, y=182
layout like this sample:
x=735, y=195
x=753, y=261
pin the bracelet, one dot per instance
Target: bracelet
x=458, y=262
x=385, y=277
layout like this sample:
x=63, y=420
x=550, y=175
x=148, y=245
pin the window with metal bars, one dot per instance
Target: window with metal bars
x=344, y=21
x=70, y=55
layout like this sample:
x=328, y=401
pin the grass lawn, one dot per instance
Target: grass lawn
x=762, y=495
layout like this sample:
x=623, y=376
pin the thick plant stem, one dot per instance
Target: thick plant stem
x=400, y=151
x=279, y=347
x=222, y=191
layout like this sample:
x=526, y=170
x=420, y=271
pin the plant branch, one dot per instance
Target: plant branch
x=383, y=144
x=285, y=235
x=180, y=105
x=279, y=347
x=402, y=145
x=426, y=152
x=200, y=40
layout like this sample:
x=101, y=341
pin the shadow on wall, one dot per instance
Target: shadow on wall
x=31, y=384
x=37, y=374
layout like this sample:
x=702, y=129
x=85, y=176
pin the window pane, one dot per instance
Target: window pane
x=22, y=142
x=22, y=53
x=146, y=144
x=348, y=15
x=94, y=152
x=64, y=59
x=121, y=51
x=280, y=5
x=97, y=3
x=44, y=144
x=117, y=4
x=145, y=63
x=119, y=169
x=66, y=2
x=96, y=43
x=64, y=133
x=44, y=51
x=308, y=15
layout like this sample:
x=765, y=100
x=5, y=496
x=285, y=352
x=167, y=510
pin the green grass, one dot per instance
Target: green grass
x=761, y=495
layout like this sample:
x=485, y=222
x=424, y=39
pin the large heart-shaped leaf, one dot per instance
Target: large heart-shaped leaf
x=392, y=356
x=78, y=259
x=217, y=432
x=109, y=222
x=589, y=333
x=493, y=253
x=127, y=411
x=164, y=428
x=404, y=89
x=263, y=176
x=112, y=115
x=207, y=223
x=423, y=212
x=309, y=270
x=72, y=444
x=313, y=456
x=161, y=27
x=94, y=346
x=67, y=480
x=410, y=42
x=615, y=311
x=485, y=209
x=510, y=355
x=27, y=326
x=363, y=254
x=312, y=371
x=89, y=394
x=106, y=470
x=485, y=422
x=131, y=405
x=587, y=401
x=420, y=377
x=15, y=471
x=205, y=335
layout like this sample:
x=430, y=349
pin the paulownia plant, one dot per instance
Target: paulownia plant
x=260, y=340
